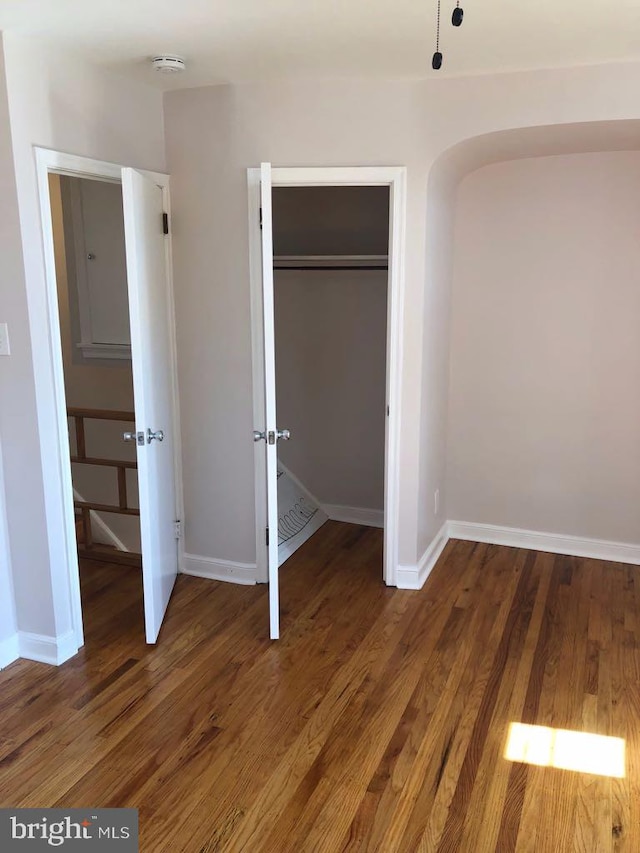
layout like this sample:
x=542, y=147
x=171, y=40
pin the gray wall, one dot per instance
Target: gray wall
x=544, y=406
x=330, y=372
x=230, y=129
x=17, y=405
x=324, y=123
x=330, y=220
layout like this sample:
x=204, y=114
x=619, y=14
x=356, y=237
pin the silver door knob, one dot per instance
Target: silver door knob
x=138, y=437
x=283, y=434
x=157, y=436
x=259, y=436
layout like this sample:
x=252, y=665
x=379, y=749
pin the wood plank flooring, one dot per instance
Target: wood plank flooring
x=378, y=722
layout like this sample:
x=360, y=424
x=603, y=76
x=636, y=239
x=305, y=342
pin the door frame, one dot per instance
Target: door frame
x=52, y=413
x=394, y=177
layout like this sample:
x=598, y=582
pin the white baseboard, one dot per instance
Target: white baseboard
x=219, y=570
x=104, y=528
x=9, y=650
x=575, y=546
x=44, y=649
x=413, y=577
x=355, y=515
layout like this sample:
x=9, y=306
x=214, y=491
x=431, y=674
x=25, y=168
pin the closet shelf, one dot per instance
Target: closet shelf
x=331, y=262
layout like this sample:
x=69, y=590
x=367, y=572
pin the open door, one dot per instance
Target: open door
x=151, y=320
x=268, y=432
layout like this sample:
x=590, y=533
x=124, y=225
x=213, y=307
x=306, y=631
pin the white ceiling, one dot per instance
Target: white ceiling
x=242, y=40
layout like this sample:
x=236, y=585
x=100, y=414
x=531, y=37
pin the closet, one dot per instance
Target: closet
x=330, y=287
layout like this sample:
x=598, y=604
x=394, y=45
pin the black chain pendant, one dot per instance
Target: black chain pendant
x=458, y=15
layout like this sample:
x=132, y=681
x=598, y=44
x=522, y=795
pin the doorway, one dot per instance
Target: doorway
x=262, y=184
x=330, y=311
x=89, y=244
x=154, y=427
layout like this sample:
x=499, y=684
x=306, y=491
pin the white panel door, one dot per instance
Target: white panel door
x=151, y=320
x=268, y=431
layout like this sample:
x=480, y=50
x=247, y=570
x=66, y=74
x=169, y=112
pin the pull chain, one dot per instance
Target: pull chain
x=436, y=61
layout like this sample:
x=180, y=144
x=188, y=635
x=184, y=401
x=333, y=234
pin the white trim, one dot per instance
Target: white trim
x=9, y=650
x=282, y=262
x=51, y=650
x=220, y=570
x=414, y=577
x=395, y=178
x=50, y=393
x=354, y=515
x=553, y=543
x=98, y=521
x=92, y=350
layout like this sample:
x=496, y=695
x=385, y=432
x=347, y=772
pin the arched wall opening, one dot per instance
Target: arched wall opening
x=488, y=466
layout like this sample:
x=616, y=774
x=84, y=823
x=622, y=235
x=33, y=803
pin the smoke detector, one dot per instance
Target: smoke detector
x=168, y=63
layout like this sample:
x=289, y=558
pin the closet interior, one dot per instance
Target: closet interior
x=330, y=293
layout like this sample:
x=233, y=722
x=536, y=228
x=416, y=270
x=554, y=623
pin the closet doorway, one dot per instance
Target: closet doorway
x=326, y=251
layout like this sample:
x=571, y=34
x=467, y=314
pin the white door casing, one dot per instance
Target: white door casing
x=395, y=178
x=151, y=350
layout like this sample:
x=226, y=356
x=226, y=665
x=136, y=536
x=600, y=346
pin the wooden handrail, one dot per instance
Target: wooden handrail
x=106, y=508
x=109, y=463
x=101, y=414
x=121, y=465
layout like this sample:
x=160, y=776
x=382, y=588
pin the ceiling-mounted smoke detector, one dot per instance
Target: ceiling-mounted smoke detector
x=168, y=63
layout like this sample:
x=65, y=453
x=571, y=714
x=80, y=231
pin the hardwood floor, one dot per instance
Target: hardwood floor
x=378, y=722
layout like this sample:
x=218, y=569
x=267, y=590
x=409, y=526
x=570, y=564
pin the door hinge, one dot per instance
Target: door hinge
x=178, y=529
x=261, y=219
x=165, y=223
x=266, y=536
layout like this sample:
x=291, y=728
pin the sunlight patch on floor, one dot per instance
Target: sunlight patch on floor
x=566, y=750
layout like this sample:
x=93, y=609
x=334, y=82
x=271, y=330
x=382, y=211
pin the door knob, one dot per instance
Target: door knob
x=158, y=435
x=272, y=435
x=134, y=436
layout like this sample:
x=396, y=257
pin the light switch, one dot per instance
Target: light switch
x=4, y=340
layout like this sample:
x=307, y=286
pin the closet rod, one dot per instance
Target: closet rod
x=331, y=262
x=324, y=267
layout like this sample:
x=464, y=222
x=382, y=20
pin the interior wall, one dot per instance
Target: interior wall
x=231, y=129
x=17, y=403
x=8, y=624
x=487, y=119
x=94, y=384
x=545, y=372
x=328, y=123
x=330, y=381
x=60, y=103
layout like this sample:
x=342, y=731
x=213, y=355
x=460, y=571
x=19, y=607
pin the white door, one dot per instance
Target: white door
x=151, y=320
x=268, y=431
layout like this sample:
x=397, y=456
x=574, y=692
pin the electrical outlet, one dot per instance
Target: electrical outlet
x=4, y=340
x=436, y=501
